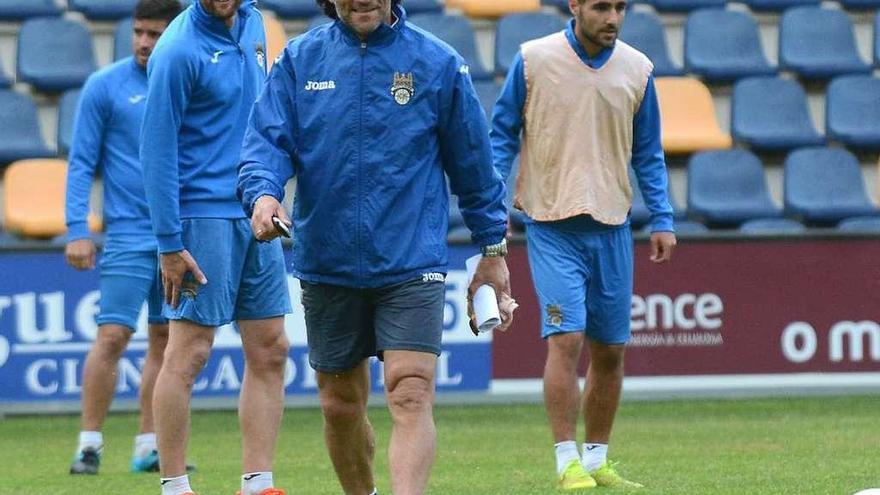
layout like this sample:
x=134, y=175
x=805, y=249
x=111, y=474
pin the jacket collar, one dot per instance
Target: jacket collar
x=214, y=25
x=383, y=35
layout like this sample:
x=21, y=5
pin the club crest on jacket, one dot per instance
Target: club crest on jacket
x=403, y=88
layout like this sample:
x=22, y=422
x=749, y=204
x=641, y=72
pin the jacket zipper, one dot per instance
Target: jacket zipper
x=363, y=51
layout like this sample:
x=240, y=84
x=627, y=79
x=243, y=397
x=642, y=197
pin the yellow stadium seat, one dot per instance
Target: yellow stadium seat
x=276, y=38
x=33, y=200
x=687, y=116
x=493, y=9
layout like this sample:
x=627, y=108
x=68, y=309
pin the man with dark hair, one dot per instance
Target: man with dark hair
x=369, y=112
x=582, y=121
x=106, y=136
x=204, y=77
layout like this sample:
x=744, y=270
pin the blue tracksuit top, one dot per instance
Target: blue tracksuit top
x=106, y=135
x=368, y=129
x=204, y=78
x=648, y=161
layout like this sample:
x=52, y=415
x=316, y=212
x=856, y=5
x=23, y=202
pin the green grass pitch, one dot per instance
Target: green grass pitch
x=822, y=445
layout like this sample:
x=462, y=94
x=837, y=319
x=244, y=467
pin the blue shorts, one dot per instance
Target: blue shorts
x=584, y=280
x=127, y=279
x=246, y=278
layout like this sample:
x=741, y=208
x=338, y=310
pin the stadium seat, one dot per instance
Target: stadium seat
x=488, y=92
x=66, y=116
x=687, y=115
x=645, y=32
x=777, y=5
x=19, y=10
x=824, y=186
x=276, y=39
x=318, y=20
x=860, y=4
x=20, y=129
x=877, y=39
x=122, y=39
x=728, y=187
x=860, y=224
x=724, y=45
x=818, y=43
x=771, y=114
x=423, y=6
x=5, y=82
x=639, y=214
x=493, y=9
x=852, y=112
x=33, y=203
x=292, y=9
x=685, y=5
x=54, y=54
x=513, y=30
x=459, y=33
x=772, y=226
x=103, y=10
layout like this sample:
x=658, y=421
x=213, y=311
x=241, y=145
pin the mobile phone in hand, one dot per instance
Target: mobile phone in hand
x=281, y=227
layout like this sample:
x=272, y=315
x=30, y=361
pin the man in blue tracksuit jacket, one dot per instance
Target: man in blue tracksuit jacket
x=368, y=113
x=203, y=79
x=106, y=137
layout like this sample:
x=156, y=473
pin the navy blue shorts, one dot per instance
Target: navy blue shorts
x=347, y=325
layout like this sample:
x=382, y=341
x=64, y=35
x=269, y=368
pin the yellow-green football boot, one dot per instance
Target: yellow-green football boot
x=606, y=475
x=574, y=477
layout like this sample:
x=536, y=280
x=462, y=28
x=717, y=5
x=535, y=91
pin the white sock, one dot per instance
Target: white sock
x=565, y=453
x=90, y=440
x=175, y=486
x=595, y=454
x=144, y=444
x=254, y=483
x=374, y=492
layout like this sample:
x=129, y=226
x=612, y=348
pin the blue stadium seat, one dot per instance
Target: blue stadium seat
x=459, y=33
x=422, y=6
x=771, y=114
x=824, y=186
x=728, y=187
x=292, y=9
x=860, y=224
x=772, y=226
x=852, y=112
x=877, y=39
x=19, y=10
x=5, y=82
x=488, y=92
x=513, y=30
x=562, y=5
x=724, y=45
x=20, y=129
x=318, y=20
x=122, y=39
x=645, y=32
x=860, y=4
x=818, y=43
x=66, y=116
x=685, y=5
x=777, y=5
x=54, y=54
x=103, y=10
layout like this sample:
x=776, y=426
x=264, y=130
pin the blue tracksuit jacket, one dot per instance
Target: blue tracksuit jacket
x=368, y=129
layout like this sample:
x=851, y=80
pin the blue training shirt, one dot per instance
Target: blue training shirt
x=204, y=78
x=106, y=136
x=648, y=160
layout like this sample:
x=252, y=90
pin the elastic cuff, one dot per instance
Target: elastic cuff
x=170, y=243
x=662, y=223
x=77, y=231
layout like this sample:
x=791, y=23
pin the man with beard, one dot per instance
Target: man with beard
x=368, y=113
x=586, y=106
x=203, y=80
x=106, y=137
